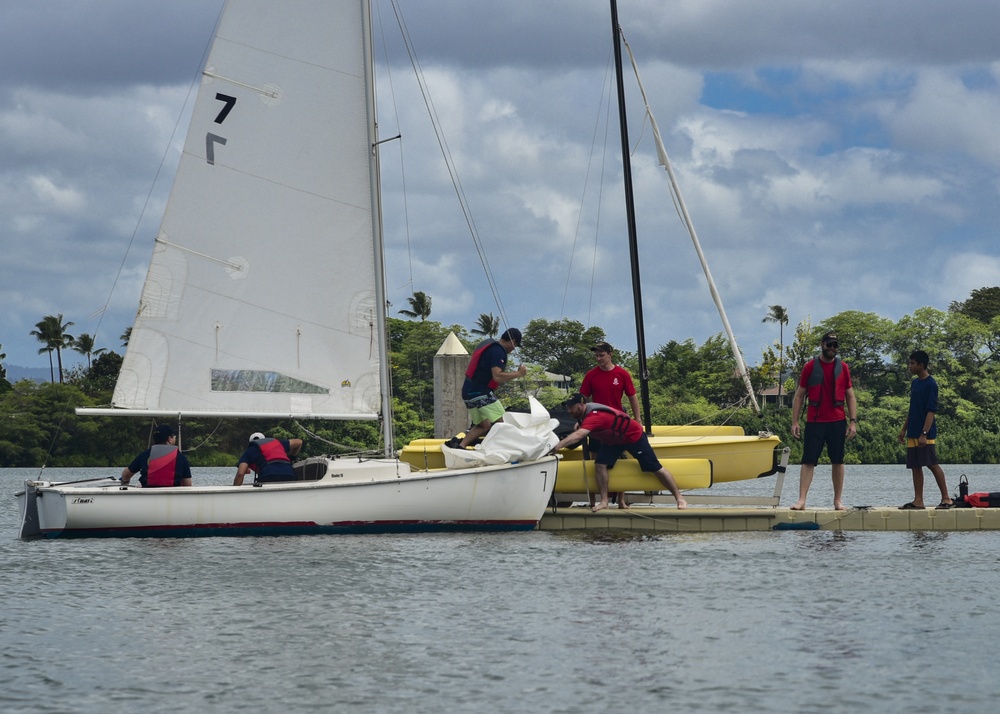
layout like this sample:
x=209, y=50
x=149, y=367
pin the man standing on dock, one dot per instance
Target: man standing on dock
x=618, y=433
x=606, y=384
x=827, y=383
x=920, y=431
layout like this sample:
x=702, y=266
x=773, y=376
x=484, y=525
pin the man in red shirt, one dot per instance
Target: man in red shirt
x=606, y=384
x=826, y=381
x=618, y=433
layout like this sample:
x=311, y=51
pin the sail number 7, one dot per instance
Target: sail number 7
x=228, y=102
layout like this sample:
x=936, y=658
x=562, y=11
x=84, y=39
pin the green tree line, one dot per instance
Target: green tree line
x=688, y=383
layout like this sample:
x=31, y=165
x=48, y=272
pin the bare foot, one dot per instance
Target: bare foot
x=622, y=504
x=838, y=506
x=797, y=507
x=599, y=507
x=681, y=504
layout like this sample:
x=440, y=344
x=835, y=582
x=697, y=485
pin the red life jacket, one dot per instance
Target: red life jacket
x=474, y=362
x=983, y=500
x=617, y=433
x=161, y=466
x=816, y=382
x=272, y=451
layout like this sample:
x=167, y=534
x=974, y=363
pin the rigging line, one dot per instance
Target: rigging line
x=326, y=441
x=196, y=82
x=446, y=152
x=600, y=193
x=583, y=197
x=675, y=189
x=402, y=167
x=52, y=444
x=204, y=441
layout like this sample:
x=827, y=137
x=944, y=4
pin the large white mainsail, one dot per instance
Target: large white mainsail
x=264, y=293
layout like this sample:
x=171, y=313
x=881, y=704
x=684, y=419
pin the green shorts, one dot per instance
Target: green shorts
x=492, y=411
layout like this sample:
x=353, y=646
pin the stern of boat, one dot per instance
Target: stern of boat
x=27, y=501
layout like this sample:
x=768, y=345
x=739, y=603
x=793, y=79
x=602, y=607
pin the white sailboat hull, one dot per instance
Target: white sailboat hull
x=375, y=496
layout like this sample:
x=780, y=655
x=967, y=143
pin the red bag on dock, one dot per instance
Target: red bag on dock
x=984, y=500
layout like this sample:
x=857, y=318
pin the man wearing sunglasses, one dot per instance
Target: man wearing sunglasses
x=826, y=383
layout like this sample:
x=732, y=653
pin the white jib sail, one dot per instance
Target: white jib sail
x=260, y=298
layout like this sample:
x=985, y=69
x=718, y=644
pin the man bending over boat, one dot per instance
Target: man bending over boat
x=269, y=459
x=162, y=464
x=486, y=373
x=618, y=433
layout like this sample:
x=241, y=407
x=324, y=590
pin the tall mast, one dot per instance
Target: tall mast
x=381, y=328
x=633, y=246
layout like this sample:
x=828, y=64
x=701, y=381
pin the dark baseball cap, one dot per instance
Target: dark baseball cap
x=164, y=432
x=602, y=347
x=512, y=335
x=575, y=399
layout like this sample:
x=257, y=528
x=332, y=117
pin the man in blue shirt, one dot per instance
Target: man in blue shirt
x=919, y=433
x=269, y=459
x=486, y=372
x=161, y=465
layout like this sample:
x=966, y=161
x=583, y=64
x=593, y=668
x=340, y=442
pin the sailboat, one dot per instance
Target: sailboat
x=265, y=298
x=730, y=454
x=697, y=456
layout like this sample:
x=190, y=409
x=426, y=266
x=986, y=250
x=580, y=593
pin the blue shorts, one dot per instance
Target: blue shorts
x=641, y=450
x=831, y=434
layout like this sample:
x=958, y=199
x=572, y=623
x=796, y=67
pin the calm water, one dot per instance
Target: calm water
x=797, y=621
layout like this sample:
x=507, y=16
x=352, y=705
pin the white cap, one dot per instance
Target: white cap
x=256, y=435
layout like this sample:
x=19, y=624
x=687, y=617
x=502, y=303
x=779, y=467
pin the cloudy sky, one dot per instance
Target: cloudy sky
x=833, y=156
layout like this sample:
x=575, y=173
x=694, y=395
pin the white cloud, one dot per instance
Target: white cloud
x=61, y=199
x=844, y=143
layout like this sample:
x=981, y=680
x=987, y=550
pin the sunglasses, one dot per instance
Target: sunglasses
x=832, y=345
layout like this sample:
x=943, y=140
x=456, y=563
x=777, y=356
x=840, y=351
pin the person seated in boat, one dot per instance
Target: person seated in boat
x=269, y=459
x=484, y=374
x=162, y=464
x=618, y=433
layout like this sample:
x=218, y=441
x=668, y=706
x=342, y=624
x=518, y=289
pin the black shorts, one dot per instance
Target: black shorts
x=641, y=450
x=918, y=456
x=831, y=434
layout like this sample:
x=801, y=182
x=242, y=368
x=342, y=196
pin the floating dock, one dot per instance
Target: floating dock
x=667, y=519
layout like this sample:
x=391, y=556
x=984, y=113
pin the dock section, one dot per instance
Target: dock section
x=666, y=519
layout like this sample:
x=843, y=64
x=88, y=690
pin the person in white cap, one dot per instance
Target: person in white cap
x=269, y=459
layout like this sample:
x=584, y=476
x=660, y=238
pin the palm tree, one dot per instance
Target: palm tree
x=126, y=336
x=51, y=332
x=780, y=315
x=487, y=325
x=41, y=332
x=84, y=344
x=420, y=306
x=3, y=370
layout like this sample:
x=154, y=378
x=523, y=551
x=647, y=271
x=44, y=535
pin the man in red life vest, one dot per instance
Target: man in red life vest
x=606, y=384
x=162, y=464
x=617, y=433
x=269, y=459
x=486, y=373
x=826, y=381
